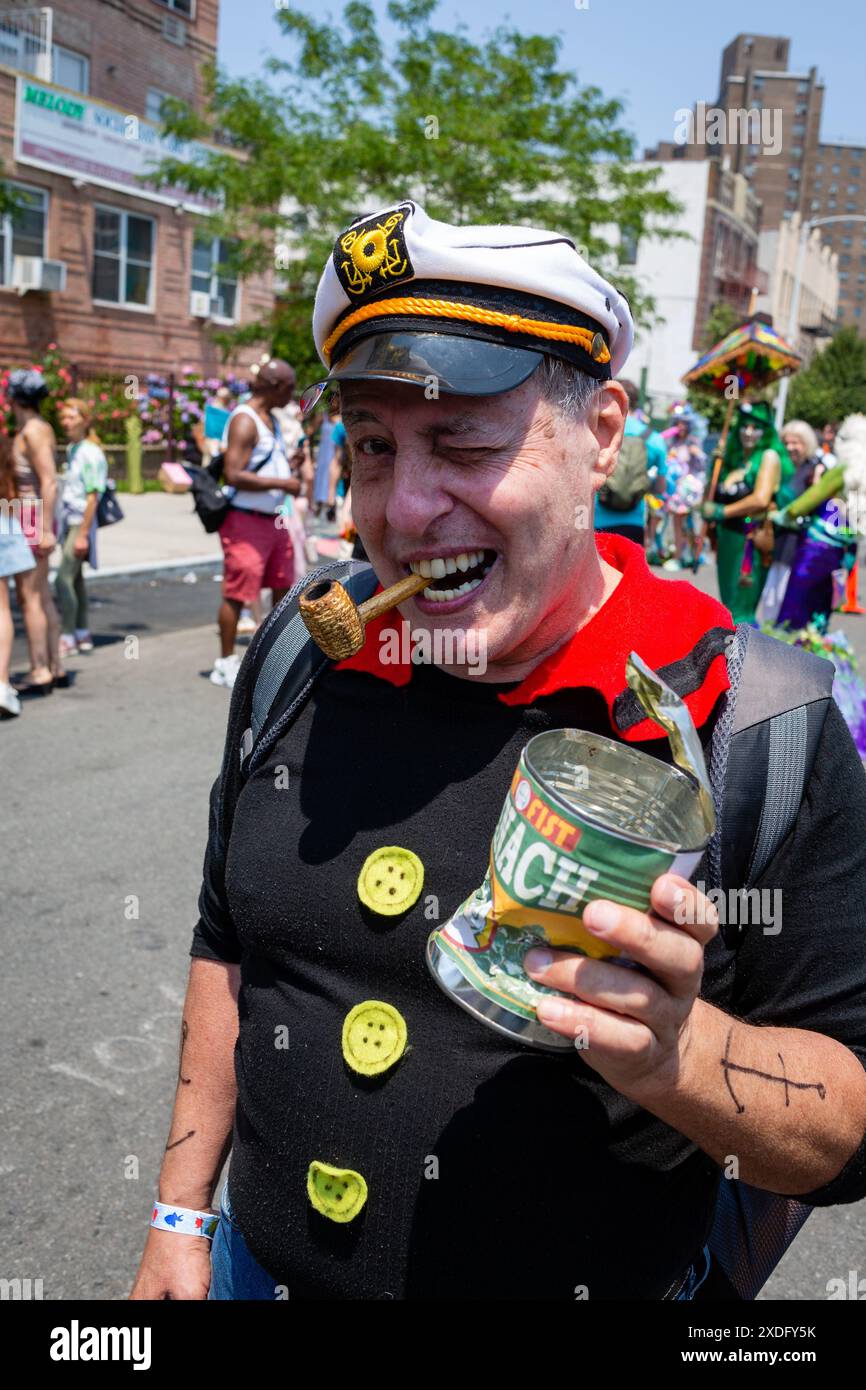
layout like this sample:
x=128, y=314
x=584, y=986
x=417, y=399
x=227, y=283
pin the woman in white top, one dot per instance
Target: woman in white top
x=84, y=482
x=257, y=547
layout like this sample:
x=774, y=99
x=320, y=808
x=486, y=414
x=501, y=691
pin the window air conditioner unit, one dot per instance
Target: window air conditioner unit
x=199, y=304
x=174, y=30
x=35, y=273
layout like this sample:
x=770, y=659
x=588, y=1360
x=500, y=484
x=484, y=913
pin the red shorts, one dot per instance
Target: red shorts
x=258, y=554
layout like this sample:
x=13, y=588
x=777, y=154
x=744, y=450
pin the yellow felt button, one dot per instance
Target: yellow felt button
x=390, y=880
x=338, y=1193
x=374, y=1037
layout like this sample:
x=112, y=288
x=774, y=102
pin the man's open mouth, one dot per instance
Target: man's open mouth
x=451, y=576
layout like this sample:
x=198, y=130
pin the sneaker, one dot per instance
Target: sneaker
x=246, y=623
x=225, y=670
x=671, y=565
x=10, y=705
x=68, y=646
x=84, y=640
x=311, y=550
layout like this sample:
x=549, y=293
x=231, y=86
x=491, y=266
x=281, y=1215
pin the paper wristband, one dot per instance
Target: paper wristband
x=183, y=1221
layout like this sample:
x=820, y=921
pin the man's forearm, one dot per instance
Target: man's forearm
x=788, y=1104
x=204, y=1105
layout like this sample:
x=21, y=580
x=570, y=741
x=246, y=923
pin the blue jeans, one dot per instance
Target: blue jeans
x=234, y=1272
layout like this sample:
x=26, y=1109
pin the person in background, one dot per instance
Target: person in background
x=84, y=482
x=34, y=449
x=806, y=458
x=828, y=442
x=755, y=476
x=15, y=560
x=325, y=482
x=631, y=524
x=685, y=484
x=257, y=547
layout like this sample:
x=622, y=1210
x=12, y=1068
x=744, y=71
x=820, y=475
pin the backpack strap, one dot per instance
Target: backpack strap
x=287, y=660
x=274, y=680
x=762, y=751
x=761, y=757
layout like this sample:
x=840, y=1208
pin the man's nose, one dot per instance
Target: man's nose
x=417, y=497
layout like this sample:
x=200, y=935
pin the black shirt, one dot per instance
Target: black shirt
x=493, y=1170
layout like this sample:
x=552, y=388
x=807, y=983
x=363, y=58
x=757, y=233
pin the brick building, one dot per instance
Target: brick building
x=125, y=276
x=838, y=187
x=771, y=124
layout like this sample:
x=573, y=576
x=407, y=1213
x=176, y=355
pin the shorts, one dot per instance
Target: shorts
x=15, y=553
x=258, y=554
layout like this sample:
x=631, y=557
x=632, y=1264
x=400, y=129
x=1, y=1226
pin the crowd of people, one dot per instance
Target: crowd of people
x=40, y=510
x=770, y=570
x=282, y=474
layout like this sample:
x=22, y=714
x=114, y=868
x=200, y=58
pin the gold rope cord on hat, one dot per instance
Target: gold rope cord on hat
x=474, y=313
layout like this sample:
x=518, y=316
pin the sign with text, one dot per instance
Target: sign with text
x=73, y=135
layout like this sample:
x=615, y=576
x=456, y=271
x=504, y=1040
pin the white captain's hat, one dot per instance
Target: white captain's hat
x=404, y=297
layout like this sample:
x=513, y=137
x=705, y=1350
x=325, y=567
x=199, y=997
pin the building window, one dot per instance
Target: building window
x=153, y=104
x=122, y=258
x=843, y=275
x=184, y=7
x=802, y=89
x=22, y=232
x=71, y=69
x=835, y=169
x=791, y=195
x=850, y=207
x=23, y=50
x=846, y=241
x=815, y=204
x=853, y=188
x=844, y=260
x=793, y=174
x=831, y=204
x=800, y=110
x=212, y=275
x=798, y=130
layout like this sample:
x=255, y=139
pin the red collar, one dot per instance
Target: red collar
x=660, y=619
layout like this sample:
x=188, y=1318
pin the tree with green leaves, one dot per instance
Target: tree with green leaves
x=834, y=383
x=489, y=131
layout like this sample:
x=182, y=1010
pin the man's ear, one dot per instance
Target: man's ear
x=606, y=420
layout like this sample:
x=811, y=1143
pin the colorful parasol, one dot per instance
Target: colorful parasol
x=755, y=353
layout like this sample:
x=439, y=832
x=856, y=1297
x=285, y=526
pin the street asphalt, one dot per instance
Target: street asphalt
x=104, y=818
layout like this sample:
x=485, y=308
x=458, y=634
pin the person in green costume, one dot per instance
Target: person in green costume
x=755, y=475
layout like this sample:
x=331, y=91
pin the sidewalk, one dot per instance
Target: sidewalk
x=159, y=530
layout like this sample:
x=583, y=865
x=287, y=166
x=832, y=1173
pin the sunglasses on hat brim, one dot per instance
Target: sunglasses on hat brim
x=453, y=365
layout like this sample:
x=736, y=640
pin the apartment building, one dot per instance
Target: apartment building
x=123, y=272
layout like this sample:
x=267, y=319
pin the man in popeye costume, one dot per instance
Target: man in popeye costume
x=383, y=1143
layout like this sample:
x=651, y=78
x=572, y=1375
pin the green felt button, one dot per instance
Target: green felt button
x=390, y=880
x=374, y=1037
x=338, y=1193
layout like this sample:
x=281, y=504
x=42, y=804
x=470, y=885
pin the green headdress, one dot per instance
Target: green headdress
x=755, y=413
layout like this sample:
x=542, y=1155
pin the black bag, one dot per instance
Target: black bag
x=108, y=509
x=212, y=506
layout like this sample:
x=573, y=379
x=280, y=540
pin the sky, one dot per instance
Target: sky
x=657, y=57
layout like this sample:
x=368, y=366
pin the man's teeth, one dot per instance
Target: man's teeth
x=438, y=568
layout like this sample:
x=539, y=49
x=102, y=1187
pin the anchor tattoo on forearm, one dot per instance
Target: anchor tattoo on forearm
x=784, y=1080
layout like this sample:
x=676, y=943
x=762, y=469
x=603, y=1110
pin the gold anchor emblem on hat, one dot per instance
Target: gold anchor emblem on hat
x=598, y=348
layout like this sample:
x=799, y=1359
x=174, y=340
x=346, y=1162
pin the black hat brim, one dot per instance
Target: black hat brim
x=456, y=364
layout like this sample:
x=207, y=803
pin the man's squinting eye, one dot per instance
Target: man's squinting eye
x=369, y=448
